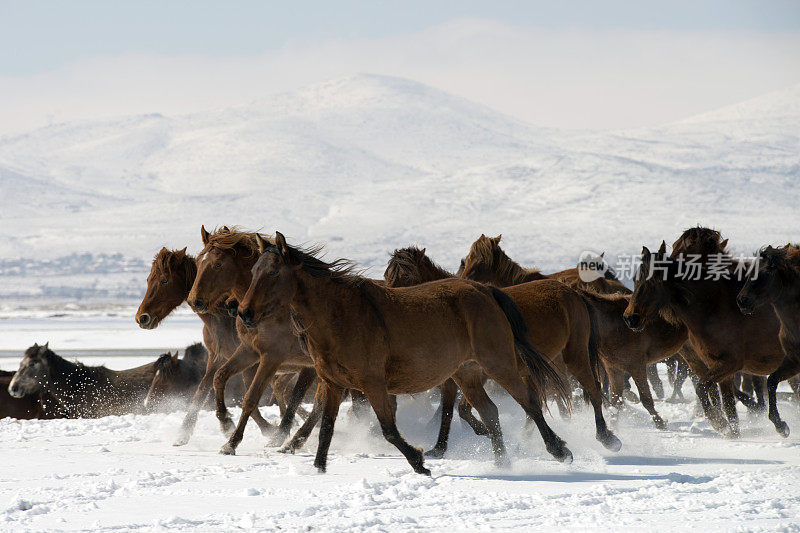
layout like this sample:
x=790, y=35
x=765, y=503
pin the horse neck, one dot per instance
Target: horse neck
x=787, y=307
x=222, y=327
x=434, y=272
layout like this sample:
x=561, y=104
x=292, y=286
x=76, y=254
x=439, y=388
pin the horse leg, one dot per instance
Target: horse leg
x=578, y=362
x=360, y=405
x=199, y=398
x=681, y=373
x=788, y=368
x=655, y=381
x=640, y=378
x=258, y=384
x=382, y=405
x=465, y=413
x=449, y=392
x=727, y=389
x=616, y=389
x=304, y=380
x=332, y=398
x=244, y=357
x=794, y=383
x=301, y=435
x=759, y=385
x=473, y=390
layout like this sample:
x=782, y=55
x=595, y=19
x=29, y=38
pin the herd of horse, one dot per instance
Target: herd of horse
x=292, y=324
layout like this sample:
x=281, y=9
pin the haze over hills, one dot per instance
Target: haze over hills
x=371, y=163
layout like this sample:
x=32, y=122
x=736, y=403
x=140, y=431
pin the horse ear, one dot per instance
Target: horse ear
x=422, y=252
x=496, y=240
x=204, y=234
x=262, y=243
x=645, y=252
x=602, y=255
x=280, y=242
x=175, y=357
x=723, y=244
x=183, y=251
x=225, y=228
x=663, y=249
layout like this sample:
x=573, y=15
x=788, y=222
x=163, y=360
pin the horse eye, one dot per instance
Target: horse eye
x=274, y=272
x=217, y=265
x=163, y=281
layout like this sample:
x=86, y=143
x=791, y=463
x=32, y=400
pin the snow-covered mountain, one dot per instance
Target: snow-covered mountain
x=370, y=163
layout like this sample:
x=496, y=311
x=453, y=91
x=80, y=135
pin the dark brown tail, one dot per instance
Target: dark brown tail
x=544, y=377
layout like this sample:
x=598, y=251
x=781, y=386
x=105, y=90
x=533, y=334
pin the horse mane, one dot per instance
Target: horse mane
x=341, y=271
x=700, y=240
x=495, y=258
x=195, y=352
x=786, y=258
x=412, y=259
x=61, y=367
x=236, y=240
x=167, y=261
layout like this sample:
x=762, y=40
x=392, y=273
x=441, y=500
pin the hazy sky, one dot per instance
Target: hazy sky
x=568, y=64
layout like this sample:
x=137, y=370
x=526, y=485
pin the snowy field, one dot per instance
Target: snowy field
x=122, y=473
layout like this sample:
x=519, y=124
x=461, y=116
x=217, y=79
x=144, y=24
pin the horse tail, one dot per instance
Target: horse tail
x=544, y=377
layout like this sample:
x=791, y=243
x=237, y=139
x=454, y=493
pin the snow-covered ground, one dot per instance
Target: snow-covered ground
x=122, y=473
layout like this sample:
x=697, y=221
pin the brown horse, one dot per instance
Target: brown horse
x=726, y=341
x=488, y=263
x=564, y=325
x=624, y=351
x=366, y=336
x=78, y=391
x=775, y=282
x=171, y=277
x=223, y=276
x=26, y=408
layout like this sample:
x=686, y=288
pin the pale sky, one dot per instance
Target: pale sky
x=579, y=64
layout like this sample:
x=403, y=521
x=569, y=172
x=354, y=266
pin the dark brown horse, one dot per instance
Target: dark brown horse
x=223, y=276
x=488, y=263
x=171, y=277
x=775, y=282
x=176, y=379
x=26, y=408
x=563, y=324
x=624, y=351
x=726, y=341
x=78, y=391
x=366, y=336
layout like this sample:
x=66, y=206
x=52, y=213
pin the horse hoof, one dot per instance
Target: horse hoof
x=227, y=426
x=564, y=456
x=660, y=423
x=227, y=449
x=782, y=429
x=287, y=450
x=733, y=434
x=276, y=440
x=181, y=440
x=502, y=461
x=611, y=442
x=436, y=453
x=422, y=470
x=321, y=469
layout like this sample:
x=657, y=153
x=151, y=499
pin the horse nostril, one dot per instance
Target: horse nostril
x=144, y=318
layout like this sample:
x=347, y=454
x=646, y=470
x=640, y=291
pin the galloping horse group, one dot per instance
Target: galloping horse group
x=280, y=315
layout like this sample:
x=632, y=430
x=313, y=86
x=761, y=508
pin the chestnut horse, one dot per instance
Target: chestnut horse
x=726, y=341
x=78, y=391
x=563, y=324
x=488, y=263
x=223, y=275
x=171, y=277
x=366, y=336
x=775, y=282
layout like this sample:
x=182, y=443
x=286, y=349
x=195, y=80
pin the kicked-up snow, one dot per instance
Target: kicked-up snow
x=122, y=473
